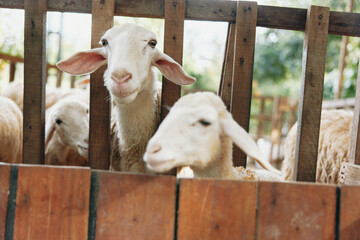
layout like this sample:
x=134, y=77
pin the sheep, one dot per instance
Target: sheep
x=11, y=131
x=198, y=132
x=130, y=54
x=333, y=148
x=15, y=92
x=67, y=133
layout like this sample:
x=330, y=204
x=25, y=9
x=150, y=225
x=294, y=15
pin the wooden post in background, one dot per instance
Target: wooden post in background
x=314, y=56
x=34, y=81
x=99, y=136
x=173, y=46
x=243, y=69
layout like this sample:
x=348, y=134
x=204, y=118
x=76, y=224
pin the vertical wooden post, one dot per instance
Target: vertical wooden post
x=173, y=46
x=225, y=86
x=58, y=78
x=355, y=136
x=99, y=136
x=34, y=81
x=314, y=56
x=246, y=18
x=12, y=71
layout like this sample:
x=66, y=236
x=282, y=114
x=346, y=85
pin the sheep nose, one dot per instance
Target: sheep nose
x=121, y=77
x=154, y=149
x=86, y=140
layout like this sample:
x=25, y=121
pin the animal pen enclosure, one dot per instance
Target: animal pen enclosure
x=43, y=202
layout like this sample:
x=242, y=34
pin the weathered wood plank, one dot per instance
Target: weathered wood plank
x=313, y=68
x=268, y=16
x=296, y=211
x=99, y=135
x=131, y=206
x=354, y=152
x=243, y=63
x=52, y=203
x=173, y=46
x=216, y=209
x=34, y=81
x=349, y=213
x=226, y=84
x=4, y=188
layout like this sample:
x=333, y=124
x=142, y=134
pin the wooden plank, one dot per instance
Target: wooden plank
x=225, y=88
x=173, y=46
x=52, y=203
x=349, y=213
x=34, y=81
x=243, y=69
x=216, y=209
x=268, y=16
x=12, y=71
x=4, y=189
x=314, y=56
x=133, y=206
x=296, y=211
x=354, y=151
x=99, y=135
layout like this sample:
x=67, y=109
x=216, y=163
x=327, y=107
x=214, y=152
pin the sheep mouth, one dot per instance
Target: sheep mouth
x=83, y=149
x=125, y=94
x=161, y=166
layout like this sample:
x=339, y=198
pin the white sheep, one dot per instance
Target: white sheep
x=67, y=133
x=333, y=149
x=130, y=53
x=199, y=132
x=11, y=131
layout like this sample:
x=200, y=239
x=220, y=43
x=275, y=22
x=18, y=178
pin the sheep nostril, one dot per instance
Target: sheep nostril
x=86, y=141
x=154, y=149
x=121, y=78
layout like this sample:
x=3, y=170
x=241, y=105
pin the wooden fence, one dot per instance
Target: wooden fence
x=77, y=203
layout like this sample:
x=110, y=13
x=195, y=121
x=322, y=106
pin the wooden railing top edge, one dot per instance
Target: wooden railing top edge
x=341, y=23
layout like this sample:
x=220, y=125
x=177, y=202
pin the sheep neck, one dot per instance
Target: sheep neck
x=221, y=165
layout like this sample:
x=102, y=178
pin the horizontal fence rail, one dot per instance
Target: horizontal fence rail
x=79, y=203
x=340, y=23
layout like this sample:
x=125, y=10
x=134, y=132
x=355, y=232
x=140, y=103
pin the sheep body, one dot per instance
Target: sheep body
x=11, y=131
x=130, y=54
x=199, y=133
x=333, y=148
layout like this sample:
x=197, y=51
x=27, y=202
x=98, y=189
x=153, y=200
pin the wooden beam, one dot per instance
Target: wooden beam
x=314, y=56
x=34, y=81
x=99, y=135
x=243, y=64
x=268, y=16
x=173, y=46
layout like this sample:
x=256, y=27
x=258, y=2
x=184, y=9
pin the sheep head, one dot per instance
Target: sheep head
x=193, y=134
x=70, y=120
x=129, y=52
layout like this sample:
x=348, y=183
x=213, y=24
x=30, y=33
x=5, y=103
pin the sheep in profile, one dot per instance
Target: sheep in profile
x=11, y=131
x=130, y=54
x=199, y=132
x=333, y=149
x=67, y=133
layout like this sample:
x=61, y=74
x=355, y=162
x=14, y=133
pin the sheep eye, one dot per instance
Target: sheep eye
x=152, y=43
x=204, y=122
x=58, y=121
x=87, y=110
x=104, y=42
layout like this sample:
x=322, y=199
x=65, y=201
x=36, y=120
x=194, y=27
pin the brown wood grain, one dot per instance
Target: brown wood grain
x=226, y=84
x=131, y=206
x=354, y=152
x=341, y=23
x=349, y=213
x=173, y=46
x=34, y=81
x=243, y=63
x=296, y=211
x=313, y=68
x=52, y=203
x=4, y=188
x=216, y=209
x=99, y=135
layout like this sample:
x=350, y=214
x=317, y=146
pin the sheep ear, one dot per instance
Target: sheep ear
x=243, y=140
x=83, y=62
x=171, y=69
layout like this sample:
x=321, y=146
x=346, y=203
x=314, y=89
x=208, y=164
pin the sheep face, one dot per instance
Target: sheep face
x=70, y=120
x=187, y=136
